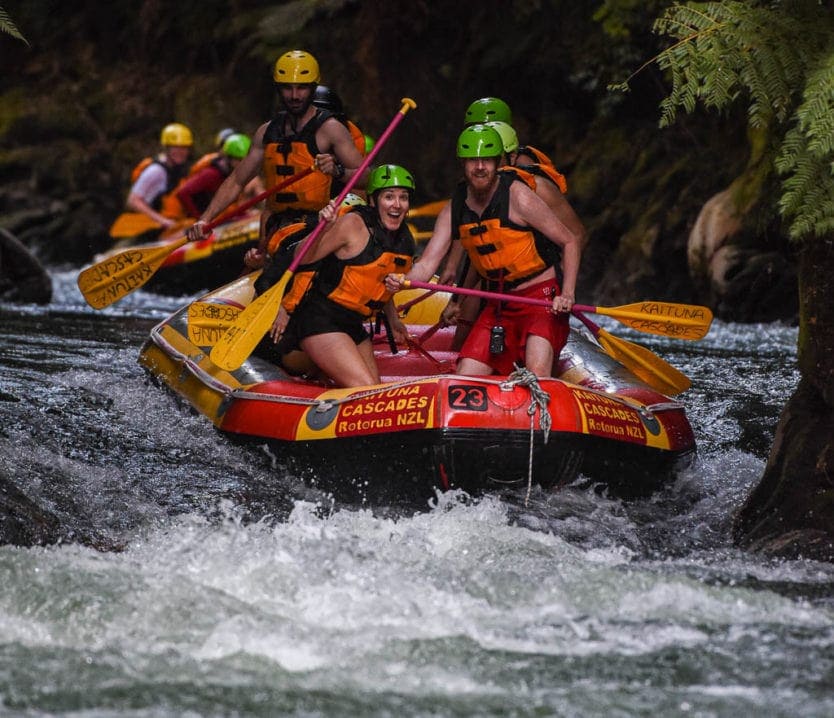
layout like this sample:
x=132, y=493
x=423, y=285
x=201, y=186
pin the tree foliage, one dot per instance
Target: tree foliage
x=776, y=57
x=6, y=25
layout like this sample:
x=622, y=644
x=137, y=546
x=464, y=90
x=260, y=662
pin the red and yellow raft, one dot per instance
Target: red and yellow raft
x=196, y=266
x=425, y=428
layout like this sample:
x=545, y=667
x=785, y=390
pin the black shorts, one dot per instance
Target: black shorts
x=318, y=315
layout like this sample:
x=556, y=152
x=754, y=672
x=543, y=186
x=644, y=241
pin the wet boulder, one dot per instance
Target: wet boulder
x=22, y=277
x=790, y=513
x=22, y=522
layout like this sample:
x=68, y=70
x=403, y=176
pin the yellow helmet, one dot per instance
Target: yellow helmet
x=296, y=67
x=176, y=135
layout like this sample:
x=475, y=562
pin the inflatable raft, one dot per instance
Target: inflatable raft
x=424, y=428
x=196, y=266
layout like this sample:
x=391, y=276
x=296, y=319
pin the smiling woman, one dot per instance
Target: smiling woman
x=324, y=311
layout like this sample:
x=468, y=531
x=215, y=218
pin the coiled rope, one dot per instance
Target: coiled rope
x=539, y=399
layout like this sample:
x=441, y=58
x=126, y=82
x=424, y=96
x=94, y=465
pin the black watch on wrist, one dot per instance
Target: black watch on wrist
x=340, y=170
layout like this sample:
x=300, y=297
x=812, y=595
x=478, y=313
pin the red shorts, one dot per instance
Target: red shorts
x=519, y=321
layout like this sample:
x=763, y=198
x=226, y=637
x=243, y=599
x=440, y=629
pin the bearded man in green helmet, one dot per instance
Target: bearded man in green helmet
x=505, y=229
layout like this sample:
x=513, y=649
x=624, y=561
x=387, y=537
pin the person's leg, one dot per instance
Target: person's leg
x=298, y=363
x=538, y=355
x=366, y=351
x=337, y=355
x=472, y=367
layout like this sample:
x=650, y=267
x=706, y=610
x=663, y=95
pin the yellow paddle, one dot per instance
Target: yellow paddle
x=208, y=321
x=641, y=362
x=116, y=276
x=132, y=224
x=431, y=209
x=681, y=321
x=121, y=273
x=667, y=319
x=243, y=336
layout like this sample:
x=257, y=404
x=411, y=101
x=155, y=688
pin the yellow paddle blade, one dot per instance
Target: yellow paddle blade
x=431, y=209
x=233, y=348
x=132, y=224
x=209, y=321
x=680, y=321
x=121, y=273
x=644, y=364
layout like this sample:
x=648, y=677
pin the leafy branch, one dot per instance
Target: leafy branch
x=7, y=26
x=777, y=58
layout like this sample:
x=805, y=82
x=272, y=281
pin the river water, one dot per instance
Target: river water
x=229, y=589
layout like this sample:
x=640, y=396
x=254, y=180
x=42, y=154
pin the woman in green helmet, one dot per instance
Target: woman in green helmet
x=343, y=287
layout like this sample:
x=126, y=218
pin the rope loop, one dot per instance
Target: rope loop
x=539, y=399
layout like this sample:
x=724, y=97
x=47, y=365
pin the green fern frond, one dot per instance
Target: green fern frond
x=806, y=156
x=779, y=61
x=815, y=113
x=7, y=26
x=807, y=200
x=733, y=48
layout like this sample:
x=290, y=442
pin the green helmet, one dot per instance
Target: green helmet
x=386, y=176
x=509, y=139
x=488, y=109
x=237, y=146
x=480, y=141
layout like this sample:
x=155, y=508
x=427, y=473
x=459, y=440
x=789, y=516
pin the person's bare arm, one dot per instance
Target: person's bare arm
x=527, y=208
x=340, y=150
x=135, y=203
x=451, y=269
x=436, y=248
x=233, y=185
x=340, y=236
x=554, y=199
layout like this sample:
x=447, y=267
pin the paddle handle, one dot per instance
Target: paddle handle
x=585, y=308
x=577, y=312
x=478, y=293
x=408, y=104
x=425, y=295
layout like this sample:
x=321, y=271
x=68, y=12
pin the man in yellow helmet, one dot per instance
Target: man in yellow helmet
x=156, y=178
x=300, y=136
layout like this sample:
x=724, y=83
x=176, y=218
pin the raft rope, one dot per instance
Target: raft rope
x=539, y=399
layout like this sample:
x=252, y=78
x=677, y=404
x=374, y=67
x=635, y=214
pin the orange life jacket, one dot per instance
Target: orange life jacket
x=500, y=250
x=536, y=155
x=528, y=174
x=297, y=288
x=203, y=162
x=140, y=167
x=165, y=203
x=287, y=155
x=358, y=137
x=358, y=283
